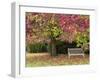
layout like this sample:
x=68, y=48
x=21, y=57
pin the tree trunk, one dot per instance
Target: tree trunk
x=52, y=47
x=53, y=43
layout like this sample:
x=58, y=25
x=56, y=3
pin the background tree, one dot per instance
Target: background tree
x=77, y=28
x=82, y=40
x=43, y=27
x=55, y=32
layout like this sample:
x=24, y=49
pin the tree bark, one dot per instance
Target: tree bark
x=53, y=47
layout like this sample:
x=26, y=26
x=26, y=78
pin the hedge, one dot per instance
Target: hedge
x=61, y=47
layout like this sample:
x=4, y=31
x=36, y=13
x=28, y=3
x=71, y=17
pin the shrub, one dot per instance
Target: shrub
x=36, y=48
x=62, y=46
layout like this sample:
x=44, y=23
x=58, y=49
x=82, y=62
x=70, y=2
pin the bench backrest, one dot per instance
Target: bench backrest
x=75, y=50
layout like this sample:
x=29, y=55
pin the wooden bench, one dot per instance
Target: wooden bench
x=75, y=52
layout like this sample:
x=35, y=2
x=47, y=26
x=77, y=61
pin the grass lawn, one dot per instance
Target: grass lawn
x=44, y=59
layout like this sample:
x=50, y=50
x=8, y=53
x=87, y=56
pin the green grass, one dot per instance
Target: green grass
x=35, y=60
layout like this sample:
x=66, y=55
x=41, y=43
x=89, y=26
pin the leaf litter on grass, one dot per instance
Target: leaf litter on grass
x=33, y=60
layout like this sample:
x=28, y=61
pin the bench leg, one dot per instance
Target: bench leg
x=68, y=56
x=83, y=55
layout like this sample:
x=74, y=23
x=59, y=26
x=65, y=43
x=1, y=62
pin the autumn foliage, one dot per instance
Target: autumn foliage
x=72, y=22
x=49, y=27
